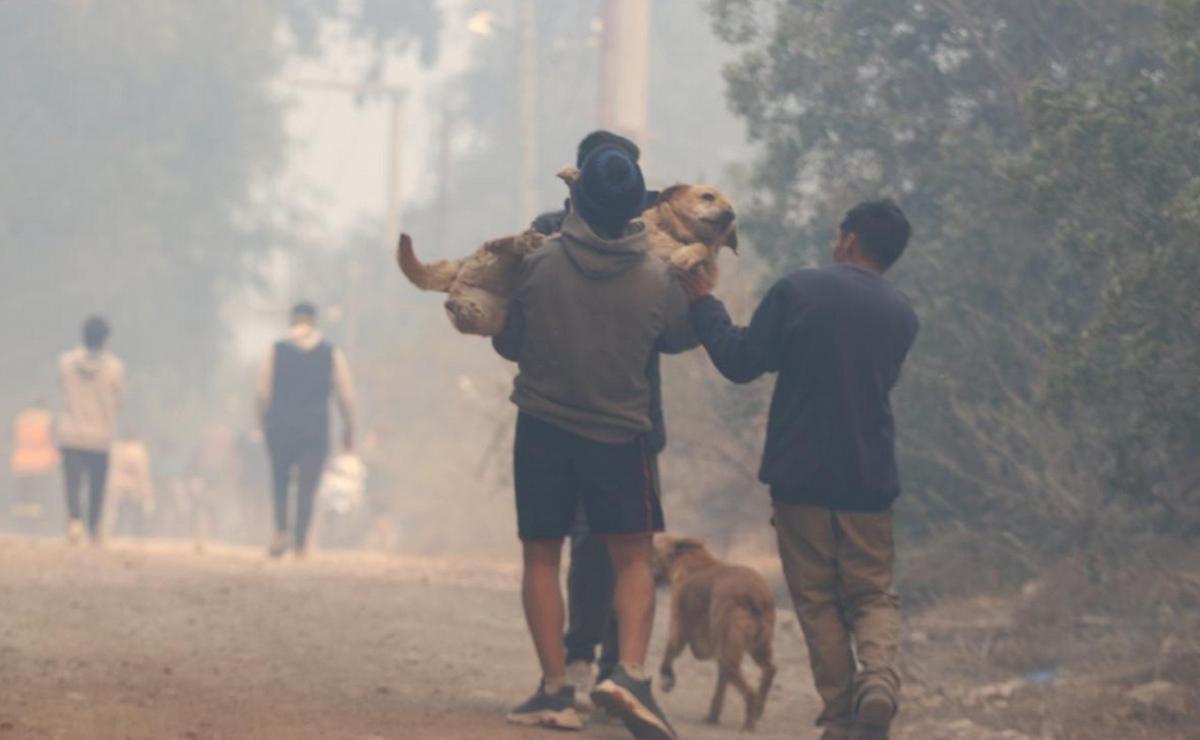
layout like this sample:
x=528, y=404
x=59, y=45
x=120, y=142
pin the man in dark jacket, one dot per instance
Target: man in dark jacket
x=298, y=378
x=590, y=622
x=837, y=337
x=589, y=309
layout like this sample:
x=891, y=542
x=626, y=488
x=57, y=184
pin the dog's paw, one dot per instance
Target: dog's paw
x=503, y=245
x=686, y=259
x=666, y=681
x=527, y=242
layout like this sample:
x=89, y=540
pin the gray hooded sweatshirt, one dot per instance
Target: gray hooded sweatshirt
x=584, y=319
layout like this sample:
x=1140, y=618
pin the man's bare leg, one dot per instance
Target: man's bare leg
x=626, y=694
x=633, y=599
x=541, y=595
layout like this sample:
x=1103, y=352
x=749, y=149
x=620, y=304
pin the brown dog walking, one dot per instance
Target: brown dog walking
x=723, y=612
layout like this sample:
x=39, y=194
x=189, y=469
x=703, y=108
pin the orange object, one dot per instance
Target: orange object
x=33, y=452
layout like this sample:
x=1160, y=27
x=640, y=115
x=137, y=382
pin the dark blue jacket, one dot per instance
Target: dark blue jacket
x=837, y=337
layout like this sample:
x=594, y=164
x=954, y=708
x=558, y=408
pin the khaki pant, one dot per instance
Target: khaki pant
x=838, y=566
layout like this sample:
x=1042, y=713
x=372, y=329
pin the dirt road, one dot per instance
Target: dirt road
x=159, y=642
x=156, y=641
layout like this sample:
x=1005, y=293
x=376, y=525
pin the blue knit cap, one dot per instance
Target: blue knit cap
x=611, y=191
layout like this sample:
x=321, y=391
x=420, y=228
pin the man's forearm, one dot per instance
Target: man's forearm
x=725, y=342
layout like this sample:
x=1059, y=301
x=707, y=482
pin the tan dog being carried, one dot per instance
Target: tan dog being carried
x=686, y=226
x=722, y=611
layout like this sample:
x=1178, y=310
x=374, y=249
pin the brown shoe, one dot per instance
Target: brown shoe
x=873, y=716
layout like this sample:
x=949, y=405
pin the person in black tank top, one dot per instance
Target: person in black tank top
x=300, y=389
x=301, y=374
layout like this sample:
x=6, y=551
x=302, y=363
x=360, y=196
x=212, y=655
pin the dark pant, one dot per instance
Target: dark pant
x=77, y=464
x=307, y=458
x=590, y=583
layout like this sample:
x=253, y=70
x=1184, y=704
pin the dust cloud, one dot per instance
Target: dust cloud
x=190, y=172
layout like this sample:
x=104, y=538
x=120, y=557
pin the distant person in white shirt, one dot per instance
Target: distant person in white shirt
x=93, y=384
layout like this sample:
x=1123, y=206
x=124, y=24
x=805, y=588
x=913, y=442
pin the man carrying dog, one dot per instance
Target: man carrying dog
x=590, y=622
x=590, y=308
x=837, y=337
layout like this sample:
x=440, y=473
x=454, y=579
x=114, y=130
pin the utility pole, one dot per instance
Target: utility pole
x=528, y=76
x=624, y=68
x=443, y=196
x=395, y=97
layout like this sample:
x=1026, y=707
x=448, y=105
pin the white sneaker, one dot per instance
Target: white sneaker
x=580, y=675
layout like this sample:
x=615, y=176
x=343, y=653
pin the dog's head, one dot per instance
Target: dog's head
x=698, y=213
x=673, y=553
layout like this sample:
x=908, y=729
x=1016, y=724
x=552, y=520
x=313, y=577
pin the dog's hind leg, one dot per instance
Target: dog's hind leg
x=718, y=700
x=738, y=629
x=762, y=654
x=762, y=657
x=527, y=242
x=733, y=671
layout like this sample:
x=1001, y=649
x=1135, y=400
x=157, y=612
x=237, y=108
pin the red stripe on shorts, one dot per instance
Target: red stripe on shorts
x=648, y=488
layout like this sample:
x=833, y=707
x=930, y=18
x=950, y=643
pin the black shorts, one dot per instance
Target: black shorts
x=556, y=471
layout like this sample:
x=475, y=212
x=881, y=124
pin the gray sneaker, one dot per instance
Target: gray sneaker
x=556, y=710
x=873, y=715
x=632, y=702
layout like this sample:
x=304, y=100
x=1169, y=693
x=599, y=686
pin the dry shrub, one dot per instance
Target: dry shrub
x=1130, y=615
x=956, y=563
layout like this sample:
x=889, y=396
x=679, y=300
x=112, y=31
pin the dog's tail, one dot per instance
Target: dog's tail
x=759, y=620
x=437, y=276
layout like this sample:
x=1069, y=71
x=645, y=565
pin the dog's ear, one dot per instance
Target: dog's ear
x=731, y=239
x=569, y=175
x=665, y=196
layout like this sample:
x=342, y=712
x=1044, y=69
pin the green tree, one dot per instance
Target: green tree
x=939, y=104
x=1115, y=168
